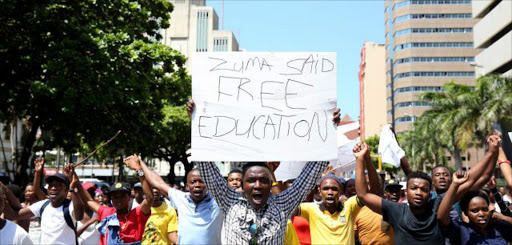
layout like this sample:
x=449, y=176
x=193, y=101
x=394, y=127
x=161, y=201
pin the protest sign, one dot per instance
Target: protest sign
x=262, y=106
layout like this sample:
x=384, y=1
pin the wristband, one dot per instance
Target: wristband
x=503, y=161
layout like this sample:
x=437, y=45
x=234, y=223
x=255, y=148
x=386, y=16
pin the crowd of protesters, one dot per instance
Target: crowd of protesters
x=252, y=207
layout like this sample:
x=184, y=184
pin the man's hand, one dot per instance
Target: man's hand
x=336, y=116
x=460, y=177
x=360, y=150
x=273, y=166
x=70, y=172
x=492, y=183
x=133, y=162
x=327, y=170
x=494, y=143
x=38, y=164
x=191, y=106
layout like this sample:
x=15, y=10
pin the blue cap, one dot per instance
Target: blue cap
x=340, y=181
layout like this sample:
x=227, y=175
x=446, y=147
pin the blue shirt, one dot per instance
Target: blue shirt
x=462, y=233
x=197, y=223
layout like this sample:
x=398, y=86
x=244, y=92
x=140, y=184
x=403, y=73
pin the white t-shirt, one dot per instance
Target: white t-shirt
x=54, y=229
x=12, y=234
x=91, y=235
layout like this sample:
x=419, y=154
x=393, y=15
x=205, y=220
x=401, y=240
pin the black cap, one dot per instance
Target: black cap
x=120, y=186
x=58, y=176
x=392, y=182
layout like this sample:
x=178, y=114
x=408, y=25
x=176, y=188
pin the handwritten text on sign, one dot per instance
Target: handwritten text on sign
x=258, y=106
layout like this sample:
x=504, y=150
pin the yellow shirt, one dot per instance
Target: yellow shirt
x=163, y=220
x=290, y=237
x=372, y=229
x=327, y=228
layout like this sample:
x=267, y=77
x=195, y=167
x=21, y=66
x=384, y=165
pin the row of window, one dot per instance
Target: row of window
x=435, y=74
x=434, y=45
x=431, y=2
x=406, y=119
x=418, y=89
x=433, y=30
x=434, y=59
x=412, y=104
x=432, y=16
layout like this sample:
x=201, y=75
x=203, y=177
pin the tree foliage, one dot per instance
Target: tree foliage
x=461, y=116
x=82, y=70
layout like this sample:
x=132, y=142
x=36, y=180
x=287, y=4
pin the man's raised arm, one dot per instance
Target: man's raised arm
x=373, y=201
x=301, y=187
x=78, y=207
x=482, y=171
x=151, y=177
x=85, y=196
x=38, y=167
x=145, y=206
x=217, y=185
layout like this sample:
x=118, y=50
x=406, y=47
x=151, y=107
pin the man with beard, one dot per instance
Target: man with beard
x=58, y=214
x=120, y=224
x=199, y=216
x=417, y=222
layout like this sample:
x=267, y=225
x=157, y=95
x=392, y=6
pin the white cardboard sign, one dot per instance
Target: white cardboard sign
x=262, y=106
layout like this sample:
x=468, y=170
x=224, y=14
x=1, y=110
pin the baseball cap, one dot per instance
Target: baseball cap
x=392, y=182
x=120, y=186
x=88, y=185
x=58, y=176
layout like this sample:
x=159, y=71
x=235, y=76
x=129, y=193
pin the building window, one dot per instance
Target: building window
x=406, y=119
x=431, y=2
x=202, y=31
x=220, y=44
x=434, y=45
x=412, y=104
x=434, y=59
x=435, y=74
x=414, y=89
x=432, y=16
x=433, y=30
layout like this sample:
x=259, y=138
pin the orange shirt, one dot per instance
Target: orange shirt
x=372, y=229
x=302, y=228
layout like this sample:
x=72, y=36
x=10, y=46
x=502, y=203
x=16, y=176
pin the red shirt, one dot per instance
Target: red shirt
x=135, y=222
x=301, y=226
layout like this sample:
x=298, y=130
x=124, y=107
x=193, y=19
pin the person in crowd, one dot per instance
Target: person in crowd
x=505, y=194
x=121, y=224
x=138, y=195
x=99, y=197
x=417, y=222
x=235, y=179
x=331, y=221
x=10, y=233
x=200, y=218
x=33, y=194
x=300, y=224
x=485, y=226
x=87, y=232
x=370, y=226
x=350, y=188
x=58, y=214
x=495, y=198
x=162, y=225
x=264, y=216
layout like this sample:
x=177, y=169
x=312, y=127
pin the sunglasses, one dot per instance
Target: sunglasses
x=253, y=229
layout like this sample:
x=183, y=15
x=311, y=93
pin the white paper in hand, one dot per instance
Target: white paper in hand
x=389, y=150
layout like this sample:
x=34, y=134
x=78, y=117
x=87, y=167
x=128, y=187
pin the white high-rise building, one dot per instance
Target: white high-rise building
x=194, y=28
x=493, y=34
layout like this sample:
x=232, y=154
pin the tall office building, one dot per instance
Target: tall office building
x=428, y=43
x=493, y=34
x=195, y=28
x=372, y=89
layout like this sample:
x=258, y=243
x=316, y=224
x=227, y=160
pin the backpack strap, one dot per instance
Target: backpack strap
x=67, y=217
x=41, y=210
